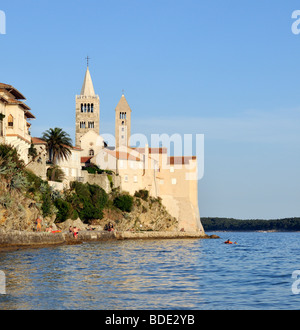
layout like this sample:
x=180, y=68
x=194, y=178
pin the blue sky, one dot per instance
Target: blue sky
x=226, y=69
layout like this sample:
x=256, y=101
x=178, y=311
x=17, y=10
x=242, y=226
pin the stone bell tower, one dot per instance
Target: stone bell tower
x=87, y=109
x=122, y=123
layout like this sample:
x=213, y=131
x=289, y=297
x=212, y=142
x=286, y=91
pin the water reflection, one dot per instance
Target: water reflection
x=155, y=274
x=107, y=275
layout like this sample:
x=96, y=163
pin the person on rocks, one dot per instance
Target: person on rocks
x=38, y=224
x=75, y=232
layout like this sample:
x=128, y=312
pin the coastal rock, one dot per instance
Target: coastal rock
x=146, y=215
x=20, y=215
x=71, y=223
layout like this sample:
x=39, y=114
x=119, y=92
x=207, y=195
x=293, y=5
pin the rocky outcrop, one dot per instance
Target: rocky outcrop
x=20, y=214
x=146, y=215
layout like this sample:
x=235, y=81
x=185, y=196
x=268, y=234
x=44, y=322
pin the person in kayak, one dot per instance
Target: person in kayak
x=228, y=242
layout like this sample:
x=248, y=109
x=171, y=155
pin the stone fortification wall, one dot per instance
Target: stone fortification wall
x=102, y=180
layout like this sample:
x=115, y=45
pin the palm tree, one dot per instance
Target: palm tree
x=59, y=144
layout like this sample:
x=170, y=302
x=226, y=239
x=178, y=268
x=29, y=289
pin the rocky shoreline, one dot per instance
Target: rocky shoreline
x=19, y=239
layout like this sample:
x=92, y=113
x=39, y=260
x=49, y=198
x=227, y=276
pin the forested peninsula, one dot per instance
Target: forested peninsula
x=229, y=224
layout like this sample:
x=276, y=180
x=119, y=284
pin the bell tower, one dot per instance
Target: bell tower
x=87, y=109
x=122, y=123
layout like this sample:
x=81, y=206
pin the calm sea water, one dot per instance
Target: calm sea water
x=156, y=274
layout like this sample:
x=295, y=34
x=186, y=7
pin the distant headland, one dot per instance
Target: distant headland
x=230, y=224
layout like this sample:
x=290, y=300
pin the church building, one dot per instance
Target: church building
x=173, y=179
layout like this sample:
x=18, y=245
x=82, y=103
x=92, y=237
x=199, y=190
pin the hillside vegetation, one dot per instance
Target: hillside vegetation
x=24, y=196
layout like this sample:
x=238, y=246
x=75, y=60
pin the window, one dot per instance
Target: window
x=123, y=115
x=135, y=179
x=81, y=107
x=89, y=108
x=82, y=124
x=92, y=107
x=91, y=124
x=91, y=152
x=126, y=178
x=10, y=121
x=85, y=108
x=1, y=124
x=174, y=181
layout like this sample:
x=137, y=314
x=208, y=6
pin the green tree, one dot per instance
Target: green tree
x=124, y=203
x=65, y=210
x=55, y=173
x=59, y=144
x=88, y=200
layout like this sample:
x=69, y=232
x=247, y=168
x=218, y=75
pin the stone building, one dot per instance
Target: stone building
x=14, y=120
x=87, y=110
x=173, y=179
x=122, y=123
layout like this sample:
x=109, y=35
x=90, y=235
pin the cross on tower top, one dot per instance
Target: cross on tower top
x=87, y=60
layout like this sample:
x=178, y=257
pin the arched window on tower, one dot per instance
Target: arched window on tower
x=89, y=108
x=81, y=107
x=92, y=107
x=10, y=121
x=91, y=152
x=84, y=107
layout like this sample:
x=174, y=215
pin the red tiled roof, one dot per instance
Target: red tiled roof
x=22, y=104
x=35, y=140
x=13, y=91
x=29, y=115
x=123, y=155
x=152, y=150
x=180, y=160
x=85, y=159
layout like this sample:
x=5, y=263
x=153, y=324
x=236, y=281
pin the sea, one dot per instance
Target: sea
x=257, y=273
